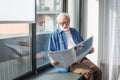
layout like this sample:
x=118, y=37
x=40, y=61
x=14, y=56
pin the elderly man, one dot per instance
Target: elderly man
x=65, y=38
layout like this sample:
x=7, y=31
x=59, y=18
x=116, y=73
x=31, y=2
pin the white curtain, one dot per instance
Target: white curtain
x=110, y=58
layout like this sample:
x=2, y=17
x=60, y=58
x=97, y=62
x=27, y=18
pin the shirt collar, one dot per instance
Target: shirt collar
x=59, y=30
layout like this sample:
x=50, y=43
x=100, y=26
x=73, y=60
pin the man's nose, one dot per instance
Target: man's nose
x=64, y=25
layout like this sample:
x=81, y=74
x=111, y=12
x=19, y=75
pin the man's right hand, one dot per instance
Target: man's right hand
x=54, y=63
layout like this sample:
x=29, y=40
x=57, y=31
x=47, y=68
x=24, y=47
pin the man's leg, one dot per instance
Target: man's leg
x=95, y=71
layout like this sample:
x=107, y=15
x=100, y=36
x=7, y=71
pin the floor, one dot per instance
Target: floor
x=52, y=74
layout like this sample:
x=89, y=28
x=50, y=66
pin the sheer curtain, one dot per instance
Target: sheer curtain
x=110, y=56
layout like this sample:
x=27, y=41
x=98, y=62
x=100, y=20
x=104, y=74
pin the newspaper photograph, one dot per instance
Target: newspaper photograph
x=67, y=57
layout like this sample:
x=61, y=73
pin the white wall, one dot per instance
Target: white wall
x=90, y=19
x=17, y=11
x=73, y=10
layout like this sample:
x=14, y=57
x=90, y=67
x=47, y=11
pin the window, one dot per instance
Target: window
x=14, y=50
x=47, y=10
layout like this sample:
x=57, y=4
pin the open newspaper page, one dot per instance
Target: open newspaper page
x=67, y=57
x=83, y=48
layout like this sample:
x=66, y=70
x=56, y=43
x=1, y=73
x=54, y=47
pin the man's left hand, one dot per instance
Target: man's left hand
x=91, y=50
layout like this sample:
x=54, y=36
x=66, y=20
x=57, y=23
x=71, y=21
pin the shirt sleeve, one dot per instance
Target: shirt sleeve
x=52, y=43
x=79, y=36
x=76, y=36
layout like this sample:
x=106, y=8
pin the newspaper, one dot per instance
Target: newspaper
x=67, y=57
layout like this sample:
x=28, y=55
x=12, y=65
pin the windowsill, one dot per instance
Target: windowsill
x=51, y=74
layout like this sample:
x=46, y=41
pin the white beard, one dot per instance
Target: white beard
x=64, y=29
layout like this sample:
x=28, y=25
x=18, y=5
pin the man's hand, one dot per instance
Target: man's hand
x=54, y=63
x=91, y=51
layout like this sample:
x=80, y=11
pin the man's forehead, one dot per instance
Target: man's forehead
x=63, y=19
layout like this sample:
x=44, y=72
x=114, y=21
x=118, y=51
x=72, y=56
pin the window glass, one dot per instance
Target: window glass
x=15, y=48
x=46, y=13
